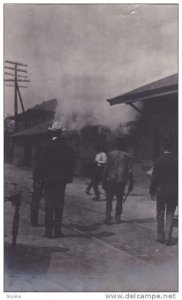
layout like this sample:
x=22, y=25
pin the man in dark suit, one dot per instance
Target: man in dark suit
x=164, y=188
x=56, y=168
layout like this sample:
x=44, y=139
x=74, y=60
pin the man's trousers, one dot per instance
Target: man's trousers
x=165, y=211
x=54, y=197
x=36, y=196
x=96, y=180
x=34, y=213
x=114, y=189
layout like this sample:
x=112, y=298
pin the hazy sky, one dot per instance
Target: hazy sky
x=85, y=54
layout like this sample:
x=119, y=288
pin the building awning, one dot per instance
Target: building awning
x=35, y=130
x=160, y=88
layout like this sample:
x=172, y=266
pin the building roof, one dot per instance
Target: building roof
x=35, y=130
x=46, y=106
x=158, y=88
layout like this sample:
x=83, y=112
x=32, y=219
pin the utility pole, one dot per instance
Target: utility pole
x=14, y=79
x=15, y=95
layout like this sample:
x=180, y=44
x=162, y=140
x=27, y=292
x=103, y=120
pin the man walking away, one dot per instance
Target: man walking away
x=164, y=188
x=57, y=168
x=118, y=171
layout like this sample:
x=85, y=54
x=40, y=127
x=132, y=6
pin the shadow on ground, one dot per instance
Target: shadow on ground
x=137, y=195
x=88, y=231
x=114, y=199
x=28, y=259
x=140, y=221
x=86, y=228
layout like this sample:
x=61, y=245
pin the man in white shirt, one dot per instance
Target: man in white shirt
x=99, y=163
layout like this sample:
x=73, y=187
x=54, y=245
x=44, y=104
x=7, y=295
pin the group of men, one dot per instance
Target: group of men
x=54, y=168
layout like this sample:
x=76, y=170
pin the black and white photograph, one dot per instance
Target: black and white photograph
x=90, y=148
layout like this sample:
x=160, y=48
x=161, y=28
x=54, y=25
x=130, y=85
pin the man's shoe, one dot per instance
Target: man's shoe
x=96, y=199
x=87, y=192
x=108, y=222
x=160, y=240
x=169, y=242
x=49, y=236
x=118, y=220
x=59, y=235
x=34, y=225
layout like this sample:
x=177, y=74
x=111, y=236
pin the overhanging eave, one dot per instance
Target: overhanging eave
x=133, y=97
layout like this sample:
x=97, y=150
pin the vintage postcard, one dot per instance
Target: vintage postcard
x=91, y=149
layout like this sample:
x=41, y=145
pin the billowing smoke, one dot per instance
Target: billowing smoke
x=84, y=103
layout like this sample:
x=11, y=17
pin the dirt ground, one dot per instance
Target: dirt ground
x=92, y=256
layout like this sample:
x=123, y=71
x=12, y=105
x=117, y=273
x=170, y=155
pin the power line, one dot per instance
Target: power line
x=18, y=76
x=17, y=80
x=21, y=76
x=15, y=63
x=20, y=86
x=9, y=68
x=18, y=70
x=6, y=73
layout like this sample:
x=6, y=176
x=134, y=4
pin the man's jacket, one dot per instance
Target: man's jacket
x=55, y=164
x=164, y=183
x=118, y=167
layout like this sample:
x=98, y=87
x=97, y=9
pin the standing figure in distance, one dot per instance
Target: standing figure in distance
x=117, y=172
x=56, y=169
x=97, y=171
x=164, y=188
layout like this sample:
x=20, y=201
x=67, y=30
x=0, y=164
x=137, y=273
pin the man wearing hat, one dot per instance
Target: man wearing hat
x=117, y=172
x=164, y=188
x=56, y=170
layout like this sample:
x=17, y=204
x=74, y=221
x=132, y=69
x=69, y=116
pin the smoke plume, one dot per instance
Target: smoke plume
x=84, y=104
